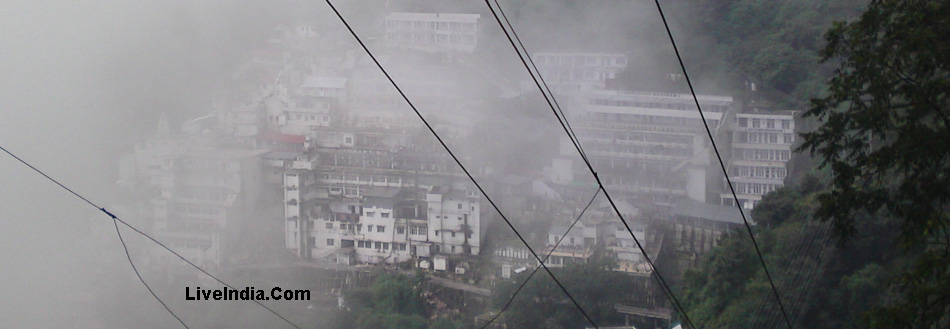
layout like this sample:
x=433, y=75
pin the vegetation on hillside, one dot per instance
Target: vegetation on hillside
x=878, y=207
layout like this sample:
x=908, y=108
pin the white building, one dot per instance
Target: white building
x=383, y=225
x=198, y=196
x=573, y=246
x=432, y=31
x=645, y=143
x=576, y=72
x=761, y=148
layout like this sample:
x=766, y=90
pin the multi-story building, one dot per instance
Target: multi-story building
x=379, y=196
x=761, y=148
x=698, y=228
x=432, y=31
x=577, y=72
x=650, y=145
x=384, y=225
x=199, y=197
x=573, y=246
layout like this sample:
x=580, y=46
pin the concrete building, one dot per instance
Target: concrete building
x=761, y=148
x=698, y=227
x=198, y=196
x=432, y=31
x=577, y=72
x=650, y=145
x=576, y=245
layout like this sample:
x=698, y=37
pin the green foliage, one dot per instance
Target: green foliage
x=392, y=301
x=541, y=304
x=886, y=123
x=775, y=43
x=823, y=286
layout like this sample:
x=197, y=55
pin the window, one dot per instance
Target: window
x=378, y=245
x=453, y=234
x=572, y=240
x=468, y=235
x=770, y=123
x=786, y=124
x=385, y=214
x=359, y=227
x=329, y=242
x=329, y=226
x=369, y=228
x=436, y=232
x=386, y=245
x=400, y=230
x=380, y=229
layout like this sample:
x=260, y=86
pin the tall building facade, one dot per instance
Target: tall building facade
x=647, y=144
x=761, y=148
x=432, y=31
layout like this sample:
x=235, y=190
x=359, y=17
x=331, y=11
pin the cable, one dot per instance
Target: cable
x=116, y=218
x=457, y=161
x=536, y=268
x=129, y=256
x=659, y=277
x=723, y=165
x=570, y=130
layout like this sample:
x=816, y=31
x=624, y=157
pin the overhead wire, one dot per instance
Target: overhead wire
x=536, y=268
x=136, y=230
x=457, y=161
x=659, y=277
x=129, y=256
x=722, y=165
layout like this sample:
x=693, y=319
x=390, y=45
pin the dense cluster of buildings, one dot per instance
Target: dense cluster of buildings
x=321, y=133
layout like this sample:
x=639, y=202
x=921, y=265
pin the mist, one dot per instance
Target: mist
x=83, y=82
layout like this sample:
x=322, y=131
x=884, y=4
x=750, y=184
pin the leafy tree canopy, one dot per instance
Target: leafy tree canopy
x=885, y=136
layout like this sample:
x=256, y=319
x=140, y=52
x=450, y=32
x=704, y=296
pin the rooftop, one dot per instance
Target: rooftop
x=719, y=213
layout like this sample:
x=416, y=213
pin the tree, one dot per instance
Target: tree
x=885, y=136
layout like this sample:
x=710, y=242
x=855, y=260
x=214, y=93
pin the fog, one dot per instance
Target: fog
x=82, y=82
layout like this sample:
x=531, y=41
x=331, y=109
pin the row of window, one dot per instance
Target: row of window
x=756, y=188
x=757, y=154
x=637, y=137
x=432, y=37
x=430, y=26
x=651, y=105
x=759, y=172
x=383, y=214
x=767, y=138
x=578, y=60
x=366, y=244
x=653, y=150
x=567, y=73
x=649, y=119
x=764, y=123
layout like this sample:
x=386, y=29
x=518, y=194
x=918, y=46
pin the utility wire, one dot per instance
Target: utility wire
x=659, y=277
x=129, y=256
x=722, y=165
x=536, y=268
x=457, y=161
x=116, y=218
x=570, y=130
